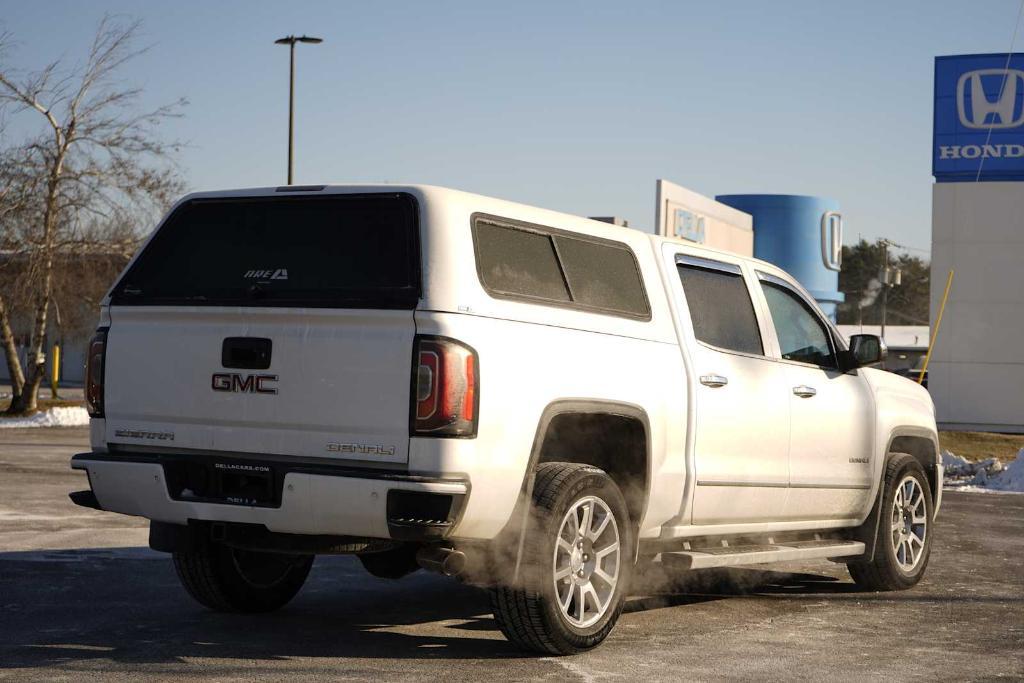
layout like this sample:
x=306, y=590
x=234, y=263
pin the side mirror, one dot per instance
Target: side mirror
x=867, y=349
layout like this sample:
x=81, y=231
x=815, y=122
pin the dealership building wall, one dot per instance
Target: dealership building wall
x=976, y=375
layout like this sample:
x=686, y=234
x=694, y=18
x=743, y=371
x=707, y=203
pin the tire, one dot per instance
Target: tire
x=904, y=536
x=571, y=586
x=230, y=580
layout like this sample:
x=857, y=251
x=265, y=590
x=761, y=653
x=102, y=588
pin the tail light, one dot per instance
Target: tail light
x=446, y=379
x=94, y=362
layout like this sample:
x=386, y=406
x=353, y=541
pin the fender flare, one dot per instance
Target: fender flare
x=590, y=406
x=867, y=532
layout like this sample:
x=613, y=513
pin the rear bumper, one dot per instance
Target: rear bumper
x=313, y=500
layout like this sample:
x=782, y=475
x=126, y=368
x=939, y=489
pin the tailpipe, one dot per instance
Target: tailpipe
x=447, y=561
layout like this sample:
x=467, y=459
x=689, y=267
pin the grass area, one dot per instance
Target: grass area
x=44, y=404
x=981, y=445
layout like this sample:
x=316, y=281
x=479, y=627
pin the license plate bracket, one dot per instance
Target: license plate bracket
x=244, y=483
x=225, y=482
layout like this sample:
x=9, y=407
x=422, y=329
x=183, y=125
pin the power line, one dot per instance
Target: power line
x=1003, y=85
x=905, y=247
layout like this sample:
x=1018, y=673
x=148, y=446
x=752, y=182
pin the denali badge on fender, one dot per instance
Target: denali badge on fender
x=252, y=384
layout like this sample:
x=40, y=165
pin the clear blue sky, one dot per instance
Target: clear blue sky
x=576, y=106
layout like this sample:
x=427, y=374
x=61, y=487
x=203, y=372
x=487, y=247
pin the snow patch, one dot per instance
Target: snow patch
x=72, y=416
x=955, y=464
x=1011, y=478
x=989, y=475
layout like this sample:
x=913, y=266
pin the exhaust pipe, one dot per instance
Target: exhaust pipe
x=447, y=561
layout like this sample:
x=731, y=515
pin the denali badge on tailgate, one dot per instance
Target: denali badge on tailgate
x=252, y=384
x=367, y=449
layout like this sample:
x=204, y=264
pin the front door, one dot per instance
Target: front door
x=832, y=421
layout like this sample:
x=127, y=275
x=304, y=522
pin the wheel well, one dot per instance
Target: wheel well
x=615, y=443
x=923, y=450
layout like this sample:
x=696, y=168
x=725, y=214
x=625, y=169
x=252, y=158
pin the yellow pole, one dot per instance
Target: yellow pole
x=54, y=369
x=938, y=323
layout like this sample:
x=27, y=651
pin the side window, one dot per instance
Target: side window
x=602, y=276
x=720, y=306
x=802, y=335
x=519, y=262
x=554, y=267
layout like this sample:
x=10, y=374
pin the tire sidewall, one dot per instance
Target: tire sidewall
x=541, y=539
x=254, y=596
x=890, y=563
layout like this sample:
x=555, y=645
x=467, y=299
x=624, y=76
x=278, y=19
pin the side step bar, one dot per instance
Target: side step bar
x=731, y=556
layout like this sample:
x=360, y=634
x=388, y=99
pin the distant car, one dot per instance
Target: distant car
x=535, y=401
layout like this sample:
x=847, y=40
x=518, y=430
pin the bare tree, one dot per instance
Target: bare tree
x=96, y=159
x=17, y=185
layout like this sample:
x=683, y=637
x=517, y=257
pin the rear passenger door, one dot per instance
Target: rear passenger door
x=832, y=411
x=741, y=447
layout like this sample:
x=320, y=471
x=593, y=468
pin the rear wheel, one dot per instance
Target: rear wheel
x=232, y=580
x=903, y=542
x=575, y=563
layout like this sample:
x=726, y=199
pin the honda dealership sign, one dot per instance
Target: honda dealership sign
x=979, y=118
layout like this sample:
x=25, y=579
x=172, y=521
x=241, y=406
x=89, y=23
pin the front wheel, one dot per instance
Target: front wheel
x=904, y=538
x=575, y=563
x=231, y=580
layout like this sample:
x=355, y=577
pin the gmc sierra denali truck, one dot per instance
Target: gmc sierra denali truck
x=532, y=401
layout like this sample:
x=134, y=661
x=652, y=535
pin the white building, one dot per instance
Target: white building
x=976, y=375
x=694, y=217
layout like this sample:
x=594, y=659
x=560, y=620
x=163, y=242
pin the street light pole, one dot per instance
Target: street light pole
x=290, y=42
x=291, y=111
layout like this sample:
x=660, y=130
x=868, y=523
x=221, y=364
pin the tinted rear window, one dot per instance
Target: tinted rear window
x=602, y=276
x=341, y=251
x=519, y=262
x=544, y=265
x=720, y=309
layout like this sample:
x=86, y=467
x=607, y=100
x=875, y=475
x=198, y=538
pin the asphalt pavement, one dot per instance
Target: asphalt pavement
x=81, y=594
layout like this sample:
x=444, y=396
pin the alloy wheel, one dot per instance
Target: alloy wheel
x=587, y=561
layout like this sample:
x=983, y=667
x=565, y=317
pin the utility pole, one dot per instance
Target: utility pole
x=889, y=277
x=290, y=42
x=883, y=277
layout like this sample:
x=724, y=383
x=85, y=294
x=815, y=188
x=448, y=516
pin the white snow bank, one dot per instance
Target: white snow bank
x=54, y=417
x=954, y=463
x=989, y=475
x=1012, y=476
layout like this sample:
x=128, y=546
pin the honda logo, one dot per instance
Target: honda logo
x=978, y=111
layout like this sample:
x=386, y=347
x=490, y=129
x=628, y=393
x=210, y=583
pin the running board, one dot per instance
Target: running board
x=731, y=556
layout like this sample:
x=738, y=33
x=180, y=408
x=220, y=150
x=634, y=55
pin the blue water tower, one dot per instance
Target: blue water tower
x=800, y=234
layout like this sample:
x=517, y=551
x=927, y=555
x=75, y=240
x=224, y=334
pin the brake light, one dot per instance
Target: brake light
x=94, y=362
x=446, y=381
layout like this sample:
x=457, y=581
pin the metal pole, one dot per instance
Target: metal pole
x=885, y=284
x=290, y=42
x=938, y=324
x=291, y=112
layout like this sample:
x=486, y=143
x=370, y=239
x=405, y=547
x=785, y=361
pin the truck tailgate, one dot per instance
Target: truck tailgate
x=337, y=384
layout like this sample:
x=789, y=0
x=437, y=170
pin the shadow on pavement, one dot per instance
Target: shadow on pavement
x=125, y=605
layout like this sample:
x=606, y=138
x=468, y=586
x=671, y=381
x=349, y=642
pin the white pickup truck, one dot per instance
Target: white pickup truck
x=533, y=401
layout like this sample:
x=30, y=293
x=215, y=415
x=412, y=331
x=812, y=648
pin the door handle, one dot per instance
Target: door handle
x=714, y=381
x=804, y=391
